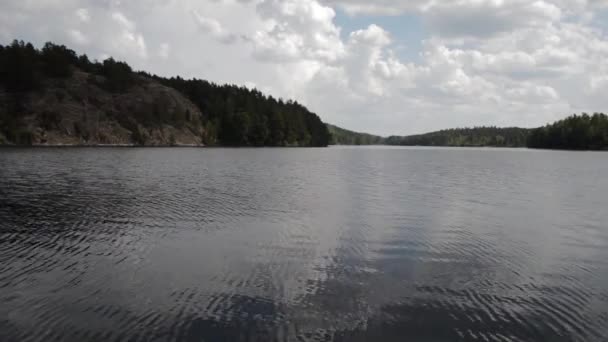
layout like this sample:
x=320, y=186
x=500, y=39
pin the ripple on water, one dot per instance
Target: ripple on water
x=302, y=245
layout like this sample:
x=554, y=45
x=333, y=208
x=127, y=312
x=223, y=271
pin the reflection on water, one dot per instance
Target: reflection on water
x=339, y=244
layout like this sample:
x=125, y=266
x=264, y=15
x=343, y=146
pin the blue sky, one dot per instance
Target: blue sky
x=406, y=30
x=601, y=19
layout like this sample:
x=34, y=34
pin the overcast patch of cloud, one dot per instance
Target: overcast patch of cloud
x=488, y=62
x=214, y=28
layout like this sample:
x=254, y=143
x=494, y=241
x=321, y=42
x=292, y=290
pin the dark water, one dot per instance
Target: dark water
x=339, y=244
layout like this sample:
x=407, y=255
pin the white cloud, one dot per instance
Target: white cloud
x=483, y=18
x=213, y=27
x=518, y=62
x=163, y=50
x=83, y=15
x=122, y=20
x=295, y=29
x=128, y=39
x=78, y=37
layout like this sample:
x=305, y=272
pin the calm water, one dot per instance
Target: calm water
x=338, y=244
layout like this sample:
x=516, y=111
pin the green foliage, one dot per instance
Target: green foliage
x=119, y=76
x=341, y=136
x=478, y=136
x=49, y=119
x=20, y=67
x=210, y=133
x=233, y=115
x=139, y=136
x=577, y=132
x=20, y=136
x=80, y=130
x=238, y=116
x=57, y=60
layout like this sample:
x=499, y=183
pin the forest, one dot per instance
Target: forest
x=238, y=116
x=470, y=137
x=576, y=132
x=208, y=113
x=231, y=115
x=341, y=136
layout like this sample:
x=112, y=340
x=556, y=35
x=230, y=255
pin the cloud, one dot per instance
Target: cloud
x=483, y=18
x=78, y=37
x=83, y=15
x=379, y=7
x=128, y=39
x=518, y=62
x=122, y=20
x=214, y=28
x=163, y=50
x=295, y=29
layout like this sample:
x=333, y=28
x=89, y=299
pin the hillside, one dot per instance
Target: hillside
x=465, y=137
x=577, y=132
x=341, y=136
x=77, y=110
x=478, y=136
x=53, y=96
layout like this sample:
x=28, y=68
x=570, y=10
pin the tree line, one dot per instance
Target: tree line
x=341, y=136
x=463, y=137
x=470, y=137
x=576, y=132
x=231, y=115
x=240, y=116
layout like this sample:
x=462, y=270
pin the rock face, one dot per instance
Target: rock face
x=80, y=111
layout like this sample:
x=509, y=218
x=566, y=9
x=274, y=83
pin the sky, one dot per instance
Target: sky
x=384, y=67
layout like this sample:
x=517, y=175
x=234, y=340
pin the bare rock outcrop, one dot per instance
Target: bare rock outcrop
x=79, y=110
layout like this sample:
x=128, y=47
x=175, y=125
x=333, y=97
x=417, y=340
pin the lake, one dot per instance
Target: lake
x=337, y=244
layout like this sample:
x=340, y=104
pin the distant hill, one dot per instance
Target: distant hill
x=577, y=132
x=478, y=136
x=341, y=136
x=54, y=96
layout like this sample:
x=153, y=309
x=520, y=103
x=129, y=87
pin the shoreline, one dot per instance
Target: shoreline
x=146, y=146
x=42, y=146
x=94, y=145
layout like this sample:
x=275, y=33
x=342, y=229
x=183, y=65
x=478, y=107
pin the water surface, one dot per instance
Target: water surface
x=337, y=244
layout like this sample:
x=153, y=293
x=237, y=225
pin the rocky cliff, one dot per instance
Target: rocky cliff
x=54, y=96
x=79, y=111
